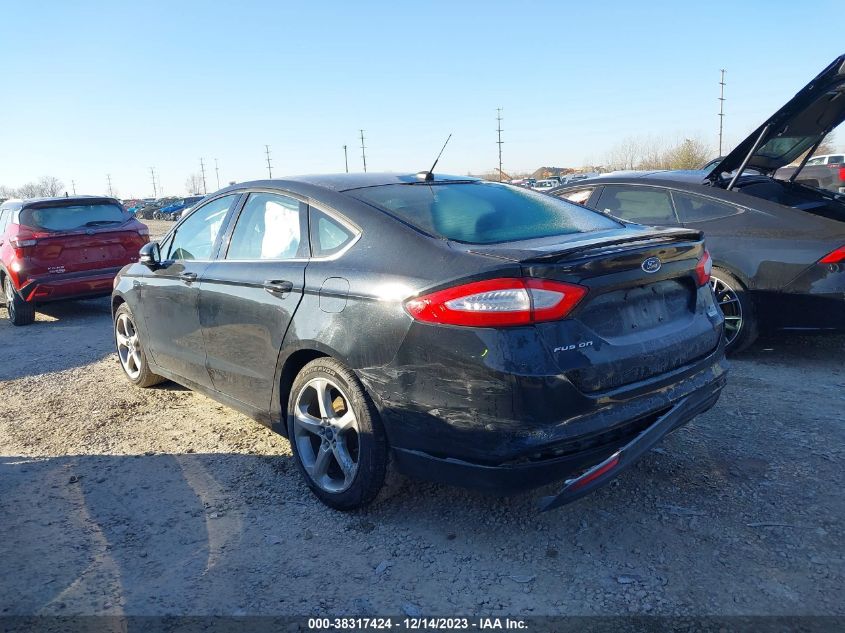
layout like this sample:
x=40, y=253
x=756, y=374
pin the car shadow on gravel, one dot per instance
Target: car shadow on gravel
x=64, y=336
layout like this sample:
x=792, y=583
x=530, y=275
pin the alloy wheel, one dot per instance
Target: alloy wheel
x=326, y=433
x=128, y=346
x=731, y=306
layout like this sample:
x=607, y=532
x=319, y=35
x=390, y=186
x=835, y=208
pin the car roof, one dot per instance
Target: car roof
x=665, y=177
x=345, y=182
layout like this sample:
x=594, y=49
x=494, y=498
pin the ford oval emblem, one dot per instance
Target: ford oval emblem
x=651, y=265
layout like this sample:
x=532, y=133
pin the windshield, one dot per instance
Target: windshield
x=483, y=212
x=70, y=217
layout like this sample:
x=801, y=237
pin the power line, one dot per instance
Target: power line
x=153, y=178
x=345, y=159
x=217, y=171
x=499, y=142
x=721, y=109
x=269, y=166
x=202, y=169
x=363, y=152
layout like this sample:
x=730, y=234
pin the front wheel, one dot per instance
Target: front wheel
x=20, y=312
x=336, y=435
x=738, y=308
x=130, y=352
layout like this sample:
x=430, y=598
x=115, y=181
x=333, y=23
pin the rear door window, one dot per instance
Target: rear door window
x=71, y=217
x=692, y=208
x=269, y=227
x=835, y=160
x=644, y=205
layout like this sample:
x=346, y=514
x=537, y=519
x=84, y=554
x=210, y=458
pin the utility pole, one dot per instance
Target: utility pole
x=345, y=159
x=363, y=152
x=158, y=180
x=73, y=186
x=721, y=109
x=217, y=171
x=153, y=177
x=499, y=142
x=202, y=169
x=269, y=166
x=108, y=177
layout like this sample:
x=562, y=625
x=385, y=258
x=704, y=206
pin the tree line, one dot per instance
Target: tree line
x=44, y=187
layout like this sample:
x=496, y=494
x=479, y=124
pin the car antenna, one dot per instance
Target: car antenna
x=429, y=175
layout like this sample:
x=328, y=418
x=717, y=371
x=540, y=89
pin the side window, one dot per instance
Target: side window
x=645, y=205
x=268, y=228
x=195, y=237
x=4, y=220
x=692, y=208
x=579, y=196
x=328, y=236
x=816, y=161
x=836, y=160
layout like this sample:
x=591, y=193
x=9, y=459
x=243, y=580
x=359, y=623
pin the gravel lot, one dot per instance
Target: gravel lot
x=116, y=500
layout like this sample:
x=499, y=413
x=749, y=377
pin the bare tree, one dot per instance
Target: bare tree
x=44, y=187
x=194, y=183
x=691, y=153
x=50, y=186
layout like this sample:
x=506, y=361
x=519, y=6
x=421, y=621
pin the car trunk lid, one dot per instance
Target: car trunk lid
x=797, y=127
x=644, y=314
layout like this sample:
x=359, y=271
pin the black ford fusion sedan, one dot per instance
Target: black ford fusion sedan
x=470, y=332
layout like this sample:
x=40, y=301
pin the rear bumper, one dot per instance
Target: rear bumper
x=637, y=436
x=813, y=301
x=87, y=284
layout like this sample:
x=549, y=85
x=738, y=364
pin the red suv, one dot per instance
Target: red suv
x=63, y=248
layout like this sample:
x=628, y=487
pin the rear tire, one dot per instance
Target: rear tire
x=20, y=312
x=130, y=350
x=336, y=436
x=741, y=328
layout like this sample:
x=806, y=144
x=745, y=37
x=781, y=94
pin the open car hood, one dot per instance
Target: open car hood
x=797, y=127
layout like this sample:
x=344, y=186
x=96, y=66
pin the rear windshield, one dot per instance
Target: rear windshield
x=70, y=217
x=483, y=212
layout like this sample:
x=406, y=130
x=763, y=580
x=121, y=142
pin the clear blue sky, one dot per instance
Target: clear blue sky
x=114, y=87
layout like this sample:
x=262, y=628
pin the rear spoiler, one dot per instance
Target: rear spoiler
x=576, y=249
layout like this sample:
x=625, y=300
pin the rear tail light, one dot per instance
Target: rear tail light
x=497, y=303
x=704, y=268
x=834, y=257
x=842, y=174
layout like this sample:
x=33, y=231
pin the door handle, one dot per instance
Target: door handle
x=278, y=286
x=188, y=277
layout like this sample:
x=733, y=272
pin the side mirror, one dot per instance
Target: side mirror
x=150, y=255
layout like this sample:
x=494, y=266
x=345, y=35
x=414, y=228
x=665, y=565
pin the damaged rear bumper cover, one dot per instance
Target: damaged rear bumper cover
x=602, y=463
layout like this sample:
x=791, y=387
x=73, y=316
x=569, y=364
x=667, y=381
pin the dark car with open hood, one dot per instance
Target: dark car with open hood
x=778, y=244
x=473, y=333
x=54, y=249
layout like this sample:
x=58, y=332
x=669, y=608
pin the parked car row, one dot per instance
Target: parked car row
x=167, y=208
